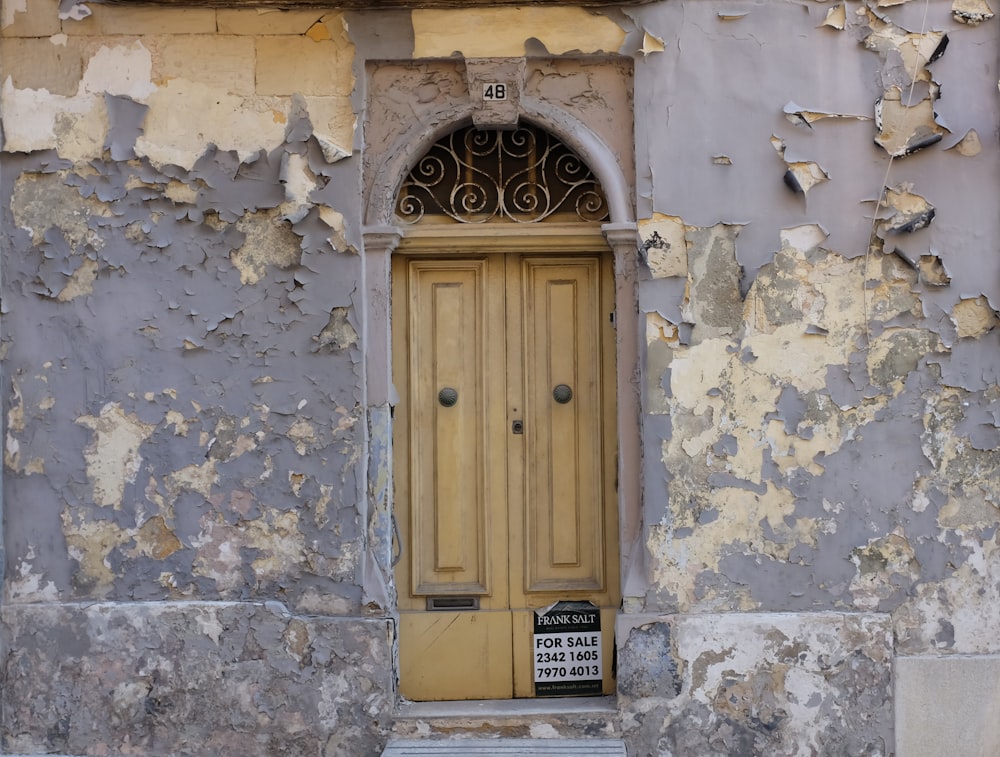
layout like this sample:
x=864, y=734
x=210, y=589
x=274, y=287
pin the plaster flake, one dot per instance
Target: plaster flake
x=113, y=457
x=892, y=355
x=812, y=356
x=791, y=452
x=155, y=539
x=10, y=9
x=907, y=211
x=125, y=70
x=185, y=117
x=81, y=282
x=27, y=584
x=334, y=121
x=800, y=175
x=503, y=32
x=885, y=566
x=945, y=616
x=664, y=246
x=799, y=115
x=968, y=146
x=268, y=242
x=695, y=370
x=974, y=317
x=37, y=120
x=836, y=17
x=916, y=50
x=197, y=478
x=651, y=44
x=904, y=129
x=971, y=12
x=89, y=543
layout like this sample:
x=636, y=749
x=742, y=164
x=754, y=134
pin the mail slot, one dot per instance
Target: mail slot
x=452, y=603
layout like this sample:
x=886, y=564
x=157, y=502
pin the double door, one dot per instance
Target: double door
x=504, y=462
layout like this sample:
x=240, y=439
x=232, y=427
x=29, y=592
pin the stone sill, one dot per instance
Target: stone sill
x=507, y=708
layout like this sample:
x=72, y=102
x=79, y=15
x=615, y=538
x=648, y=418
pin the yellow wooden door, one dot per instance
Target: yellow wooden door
x=504, y=455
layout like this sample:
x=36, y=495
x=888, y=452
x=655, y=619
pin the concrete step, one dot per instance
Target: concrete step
x=461, y=747
x=545, y=719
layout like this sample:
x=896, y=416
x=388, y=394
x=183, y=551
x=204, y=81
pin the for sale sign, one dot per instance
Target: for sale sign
x=566, y=650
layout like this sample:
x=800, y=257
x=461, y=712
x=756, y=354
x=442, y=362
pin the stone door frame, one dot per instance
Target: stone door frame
x=390, y=163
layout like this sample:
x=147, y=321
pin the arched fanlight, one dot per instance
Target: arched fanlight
x=477, y=176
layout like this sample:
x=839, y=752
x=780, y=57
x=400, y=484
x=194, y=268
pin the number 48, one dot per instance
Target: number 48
x=495, y=92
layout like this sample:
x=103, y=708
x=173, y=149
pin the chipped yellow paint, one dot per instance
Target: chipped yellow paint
x=659, y=329
x=154, y=539
x=44, y=201
x=739, y=513
x=836, y=17
x=974, y=317
x=319, y=32
x=177, y=420
x=807, y=174
x=970, y=145
x=80, y=282
x=269, y=242
x=666, y=249
x=880, y=564
x=112, y=456
x=496, y=32
x=28, y=585
x=971, y=12
x=197, y=478
x=651, y=43
x=90, y=542
x=915, y=49
x=303, y=433
x=186, y=116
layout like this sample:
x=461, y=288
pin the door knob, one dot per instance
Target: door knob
x=562, y=394
x=448, y=396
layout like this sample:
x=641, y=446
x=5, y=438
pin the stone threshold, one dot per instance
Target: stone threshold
x=508, y=708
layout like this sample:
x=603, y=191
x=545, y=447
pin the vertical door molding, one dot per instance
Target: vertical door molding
x=623, y=238
x=377, y=400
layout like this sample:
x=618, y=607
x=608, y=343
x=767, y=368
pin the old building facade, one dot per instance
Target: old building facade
x=695, y=319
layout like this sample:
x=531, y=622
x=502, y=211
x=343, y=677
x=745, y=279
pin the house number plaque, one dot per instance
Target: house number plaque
x=494, y=91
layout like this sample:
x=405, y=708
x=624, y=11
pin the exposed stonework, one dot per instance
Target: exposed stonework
x=730, y=684
x=193, y=678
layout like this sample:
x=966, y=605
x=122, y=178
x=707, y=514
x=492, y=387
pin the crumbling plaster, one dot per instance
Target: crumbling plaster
x=805, y=368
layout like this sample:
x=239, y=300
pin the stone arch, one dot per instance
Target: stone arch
x=414, y=142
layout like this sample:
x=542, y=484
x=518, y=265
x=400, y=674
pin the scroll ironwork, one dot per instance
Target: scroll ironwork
x=525, y=175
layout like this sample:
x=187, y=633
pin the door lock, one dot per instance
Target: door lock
x=517, y=427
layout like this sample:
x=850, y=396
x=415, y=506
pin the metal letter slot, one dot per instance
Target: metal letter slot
x=448, y=396
x=452, y=603
x=562, y=394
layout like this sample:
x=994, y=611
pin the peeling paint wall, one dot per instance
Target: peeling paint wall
x=197, y=467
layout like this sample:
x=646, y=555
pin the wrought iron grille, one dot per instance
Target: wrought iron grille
x=524, y=175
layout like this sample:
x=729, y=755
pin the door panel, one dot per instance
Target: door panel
x=564, y=499
x=512, y=521
x=451, y=307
